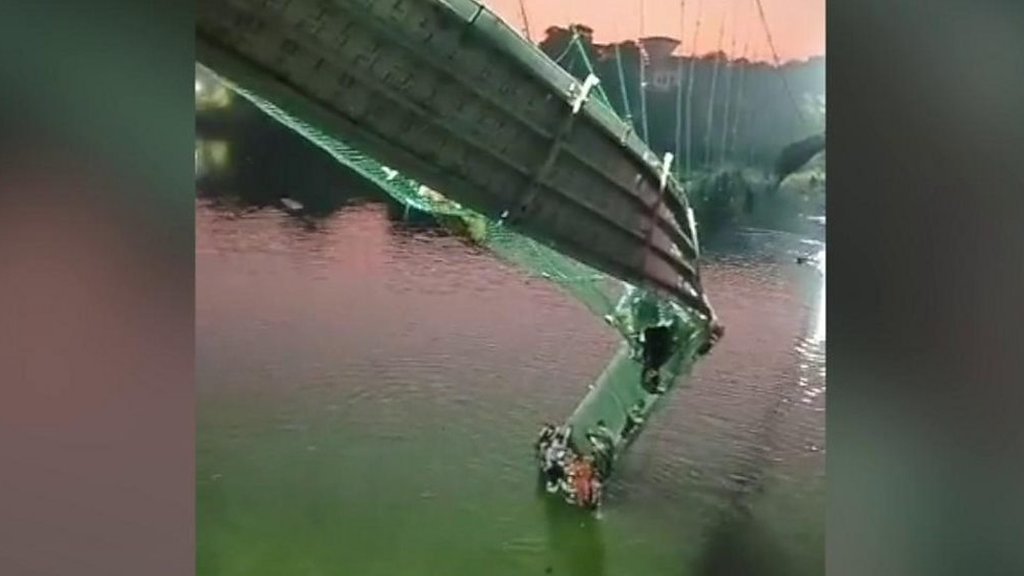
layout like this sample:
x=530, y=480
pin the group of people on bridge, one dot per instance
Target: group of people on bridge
x=565, y=470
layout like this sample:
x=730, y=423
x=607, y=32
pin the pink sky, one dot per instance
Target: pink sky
x=797, y=26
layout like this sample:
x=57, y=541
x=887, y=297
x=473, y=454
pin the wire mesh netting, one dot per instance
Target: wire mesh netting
x=596, y=290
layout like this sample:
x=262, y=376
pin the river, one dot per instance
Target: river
x=369, y=389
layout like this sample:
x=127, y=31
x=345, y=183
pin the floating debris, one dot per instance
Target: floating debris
x=292, y=205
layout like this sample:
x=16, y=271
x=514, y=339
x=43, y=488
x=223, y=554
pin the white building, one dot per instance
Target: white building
x=662, y=70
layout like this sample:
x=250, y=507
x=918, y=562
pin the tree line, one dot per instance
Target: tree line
x=741, y=112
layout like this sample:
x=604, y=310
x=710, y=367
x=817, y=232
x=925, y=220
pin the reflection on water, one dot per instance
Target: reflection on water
x=369, y=388
x=361, y=374
x=739, y=544
x=812, y=347
x=212, y=157
x=818, y=333
x=574, y=540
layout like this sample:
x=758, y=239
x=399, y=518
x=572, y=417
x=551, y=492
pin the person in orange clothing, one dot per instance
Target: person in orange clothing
x=582, y=478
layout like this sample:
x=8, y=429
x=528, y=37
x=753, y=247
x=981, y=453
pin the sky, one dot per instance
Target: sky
x=797, y=26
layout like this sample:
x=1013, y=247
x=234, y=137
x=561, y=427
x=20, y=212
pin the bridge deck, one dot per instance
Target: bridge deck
x=446, y=93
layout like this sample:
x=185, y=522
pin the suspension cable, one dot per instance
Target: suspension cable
x=711, y=98
x=729, y=71
x=623, y=91
x=679, y=87
x=526, y=21
x=628, y=117
x=689, y=92
x=778, y=64
x=643, y=75
x=750, y=115
x=565, y=51
x=588, y=66
x=737, y=111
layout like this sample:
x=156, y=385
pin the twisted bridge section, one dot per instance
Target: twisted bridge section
x=446, y=93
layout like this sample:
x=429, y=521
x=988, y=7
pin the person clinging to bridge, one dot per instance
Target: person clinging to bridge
x=547, y=434
x=553, y=472
x=555, y=449
x=634, y=419
x=583, y=480
x=657, y=347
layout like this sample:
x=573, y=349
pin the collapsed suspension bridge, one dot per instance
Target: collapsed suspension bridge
x=450, y=110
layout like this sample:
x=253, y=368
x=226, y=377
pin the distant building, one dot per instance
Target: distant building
x=659, y=48
x=663, y=69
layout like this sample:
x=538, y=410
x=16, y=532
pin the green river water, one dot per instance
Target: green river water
x=369, y=391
